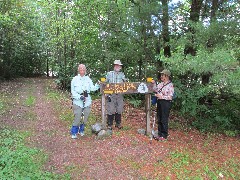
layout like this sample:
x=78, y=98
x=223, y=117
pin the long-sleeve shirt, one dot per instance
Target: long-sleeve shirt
x=80, y=84
x=167, y=91
x=115, y=77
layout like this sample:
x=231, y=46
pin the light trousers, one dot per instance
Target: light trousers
x=78, y=118
x=115, y=105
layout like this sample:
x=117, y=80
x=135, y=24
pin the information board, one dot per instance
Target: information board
x=126, y=88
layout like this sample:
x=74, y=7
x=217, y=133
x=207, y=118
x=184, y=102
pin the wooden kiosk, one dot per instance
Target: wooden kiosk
x=145, y=88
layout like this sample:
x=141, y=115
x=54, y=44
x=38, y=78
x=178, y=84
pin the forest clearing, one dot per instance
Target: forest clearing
x=54, y=53
x=35, y=108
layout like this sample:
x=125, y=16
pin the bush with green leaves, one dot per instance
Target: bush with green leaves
x=208, y=88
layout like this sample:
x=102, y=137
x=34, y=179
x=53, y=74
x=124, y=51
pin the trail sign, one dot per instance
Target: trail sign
x=128, y=88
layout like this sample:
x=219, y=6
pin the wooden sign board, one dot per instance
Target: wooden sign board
x=126, y=88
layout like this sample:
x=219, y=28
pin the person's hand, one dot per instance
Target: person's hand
x=159, y=96
x=82, y=98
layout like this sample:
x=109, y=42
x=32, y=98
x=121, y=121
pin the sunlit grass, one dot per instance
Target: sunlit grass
x=30, y=101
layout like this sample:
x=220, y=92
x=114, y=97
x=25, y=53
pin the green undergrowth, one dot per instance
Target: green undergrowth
x=30, y=101
x=5, y=102
x=190, y=163
x=60, y=101
x=17, y=161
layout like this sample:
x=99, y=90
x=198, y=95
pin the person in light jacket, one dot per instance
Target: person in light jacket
x=81, y=86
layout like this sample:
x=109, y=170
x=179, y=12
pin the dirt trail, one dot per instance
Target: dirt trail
x=126, y=155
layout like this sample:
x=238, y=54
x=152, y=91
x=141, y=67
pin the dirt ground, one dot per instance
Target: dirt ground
x=124, y=155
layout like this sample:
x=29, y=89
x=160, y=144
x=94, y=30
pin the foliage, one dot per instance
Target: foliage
x=37, y=37
x=20, y=40
x=135, y=99
x=25, y=162
x=204, y=82
x=30, y=101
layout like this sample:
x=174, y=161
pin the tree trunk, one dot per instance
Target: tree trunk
x=165, y=30
x=195, y=10
x=65, y=53
x=213, y=10
x=194, y=17
x=47, y=63
x=210, y=42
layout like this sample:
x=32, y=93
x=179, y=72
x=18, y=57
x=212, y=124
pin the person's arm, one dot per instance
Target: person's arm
x=124, y=78
x=92, y=86
x=155, y=88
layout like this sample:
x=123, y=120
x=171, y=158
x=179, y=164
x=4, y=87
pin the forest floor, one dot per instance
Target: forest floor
x=36, y=106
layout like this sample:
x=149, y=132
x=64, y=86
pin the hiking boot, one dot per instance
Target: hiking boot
x=118, y=120
x=110, y=120
x=74, y=136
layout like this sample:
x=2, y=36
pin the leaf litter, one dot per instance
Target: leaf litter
x=124, y=155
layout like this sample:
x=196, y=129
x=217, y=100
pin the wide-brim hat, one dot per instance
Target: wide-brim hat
x=118, y=62
x=166, y=72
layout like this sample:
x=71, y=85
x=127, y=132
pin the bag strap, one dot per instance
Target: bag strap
x=160, y=90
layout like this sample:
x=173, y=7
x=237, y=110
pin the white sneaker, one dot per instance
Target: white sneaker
x=81, y=133
x=74, y=136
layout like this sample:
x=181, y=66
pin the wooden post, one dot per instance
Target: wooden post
x=103, y=110
x=128, y=88
x=148, y=113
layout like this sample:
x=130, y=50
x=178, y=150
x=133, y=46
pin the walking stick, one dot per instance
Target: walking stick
x=82, y=116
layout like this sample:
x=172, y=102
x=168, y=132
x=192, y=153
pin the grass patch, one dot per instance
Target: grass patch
x=79, y=169
x=5, y=102
x=129, y=162
x=91, y=120
x=29, y=115
x=192, y=164
x=2, y=107
x=126, y=128
x=30, y=101
x=66, y=115
x=25, y=162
